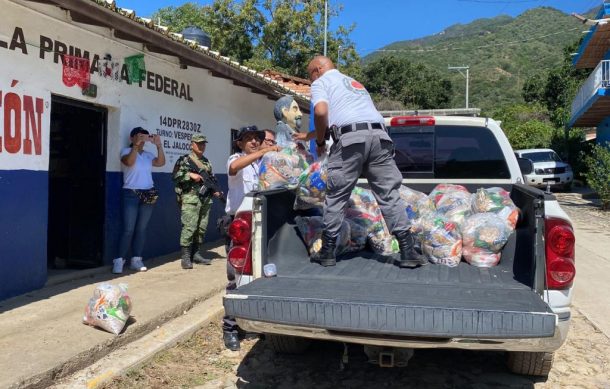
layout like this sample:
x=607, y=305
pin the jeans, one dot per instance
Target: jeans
x=135, y=219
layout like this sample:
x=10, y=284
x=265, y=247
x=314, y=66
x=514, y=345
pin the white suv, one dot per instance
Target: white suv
x=549, y=169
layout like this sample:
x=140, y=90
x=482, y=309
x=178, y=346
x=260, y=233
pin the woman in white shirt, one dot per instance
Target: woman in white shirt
x=138, y=195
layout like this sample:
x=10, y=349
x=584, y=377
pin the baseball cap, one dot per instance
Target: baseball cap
x=250, y=130
x=138, y=130
x=198, y=138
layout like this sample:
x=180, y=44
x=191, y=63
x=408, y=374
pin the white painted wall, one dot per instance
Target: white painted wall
x=217, y=104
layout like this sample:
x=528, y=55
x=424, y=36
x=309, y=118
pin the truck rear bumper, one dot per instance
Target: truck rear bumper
x=549, y=344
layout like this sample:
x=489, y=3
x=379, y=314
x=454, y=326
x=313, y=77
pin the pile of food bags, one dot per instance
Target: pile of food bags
x=109, y=308
x=449, y=223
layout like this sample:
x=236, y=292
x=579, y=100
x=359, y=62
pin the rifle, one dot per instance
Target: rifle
x=209, y=183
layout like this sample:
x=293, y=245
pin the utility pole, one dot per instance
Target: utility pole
x=325, y=24
x=467, y=76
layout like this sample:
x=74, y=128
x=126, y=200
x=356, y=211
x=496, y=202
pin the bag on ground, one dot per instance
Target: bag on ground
x=109, y=308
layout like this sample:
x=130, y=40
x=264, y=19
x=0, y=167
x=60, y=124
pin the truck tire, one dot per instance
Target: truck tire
x=287, y=344
x=526, y=363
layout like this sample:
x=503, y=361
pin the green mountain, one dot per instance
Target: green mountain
x=502, y=53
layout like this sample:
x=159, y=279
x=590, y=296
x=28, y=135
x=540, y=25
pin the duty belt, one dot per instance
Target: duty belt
x=360, y=126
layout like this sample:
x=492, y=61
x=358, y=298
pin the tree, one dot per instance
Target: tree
x=530, y=135
x=391, y=78
x=598, y=174
x=277, y=34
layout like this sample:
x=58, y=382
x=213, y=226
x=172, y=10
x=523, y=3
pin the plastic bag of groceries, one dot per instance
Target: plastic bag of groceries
x=281, y=169
x=311, y=230
x=498, y=201
x=312, y=186
x=363, y=210
x=453, y=201
x=441, y=240
x=109, y=308
x=484, y=235
x=383, y=243
x=416, y=205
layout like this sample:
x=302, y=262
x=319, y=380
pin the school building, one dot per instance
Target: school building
x=77, y=76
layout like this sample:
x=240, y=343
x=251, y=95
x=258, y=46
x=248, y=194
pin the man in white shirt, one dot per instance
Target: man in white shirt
x=361, y=147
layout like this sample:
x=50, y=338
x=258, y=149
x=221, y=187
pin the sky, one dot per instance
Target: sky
x=381, y=22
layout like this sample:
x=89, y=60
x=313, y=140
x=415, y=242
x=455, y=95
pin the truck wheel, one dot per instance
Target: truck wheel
x=536, y=364
x=287, y=344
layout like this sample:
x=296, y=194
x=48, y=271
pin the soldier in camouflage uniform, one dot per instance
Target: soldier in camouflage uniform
x=195, y=208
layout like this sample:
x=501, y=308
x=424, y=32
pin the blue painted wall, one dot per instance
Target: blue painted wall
x=23, y=231
x=24, y=225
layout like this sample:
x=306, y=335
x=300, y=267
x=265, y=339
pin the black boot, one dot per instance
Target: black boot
x=185, y=261
x=409, y=257
x=326, y=256
x=196, y=256
x=231, y=340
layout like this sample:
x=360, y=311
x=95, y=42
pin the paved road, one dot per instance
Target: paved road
x=592, y=286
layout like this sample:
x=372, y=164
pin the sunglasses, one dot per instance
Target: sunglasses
x=271, y=141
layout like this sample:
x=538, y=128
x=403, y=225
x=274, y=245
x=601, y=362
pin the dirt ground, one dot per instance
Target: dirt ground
x=202, y=361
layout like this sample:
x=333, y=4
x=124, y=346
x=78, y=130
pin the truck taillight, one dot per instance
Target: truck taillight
x=240, y=257
x=240, y=232
x=560, y=253
x=405, y=121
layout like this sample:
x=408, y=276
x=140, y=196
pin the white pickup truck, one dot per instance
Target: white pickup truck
x=521, y=306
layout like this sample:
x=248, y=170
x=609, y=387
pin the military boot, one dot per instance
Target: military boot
x=196, y=256
x=326, y=256
x=409, y=257
x=186, y=258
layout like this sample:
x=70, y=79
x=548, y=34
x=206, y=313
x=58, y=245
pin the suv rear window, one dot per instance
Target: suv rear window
x=448, y=152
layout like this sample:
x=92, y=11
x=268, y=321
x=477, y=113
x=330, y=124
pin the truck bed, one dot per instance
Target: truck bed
x=368, y=293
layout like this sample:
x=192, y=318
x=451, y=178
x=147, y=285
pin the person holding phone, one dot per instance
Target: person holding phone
x=138, y=195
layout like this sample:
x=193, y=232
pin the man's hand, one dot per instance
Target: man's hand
x=303, y=136
x=195, y=177
x=217, y=194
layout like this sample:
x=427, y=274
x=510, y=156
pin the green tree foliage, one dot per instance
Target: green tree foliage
x=392, y=79
x=277, y=34
x=598, y=174
x=530, y=135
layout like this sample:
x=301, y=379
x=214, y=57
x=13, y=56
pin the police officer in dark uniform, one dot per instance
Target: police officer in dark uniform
x=361, y=147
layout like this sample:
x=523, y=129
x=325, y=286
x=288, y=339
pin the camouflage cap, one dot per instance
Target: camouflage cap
x=197, y=138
